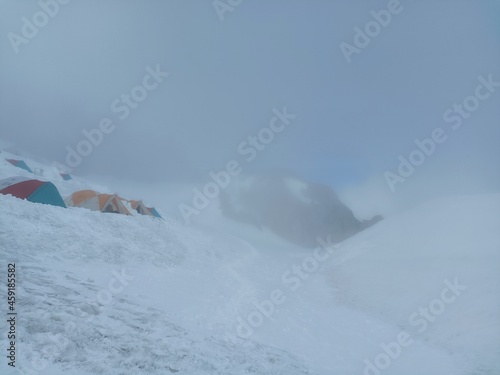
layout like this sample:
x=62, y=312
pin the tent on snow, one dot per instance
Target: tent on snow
x=97, y=202
x=32, y=190
x=19, y=164
x=66, y=176
x=143, y=210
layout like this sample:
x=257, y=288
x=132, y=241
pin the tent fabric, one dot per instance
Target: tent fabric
x=32, y=190
x=79, y=197
x=143, y=210
x=66, y=176
x=6, y=182
x=48, y=194
x=155, y=213
x=12, y=186
x=112, y=203
x=19, y=164
x=92, y=200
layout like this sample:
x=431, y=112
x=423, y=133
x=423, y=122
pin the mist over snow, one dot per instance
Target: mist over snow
x=327, y=176
x=107, y=293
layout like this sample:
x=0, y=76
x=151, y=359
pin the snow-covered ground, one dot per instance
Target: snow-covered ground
x=110, y=294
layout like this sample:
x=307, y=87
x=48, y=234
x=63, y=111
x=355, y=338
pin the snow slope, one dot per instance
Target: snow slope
x=185, y=291
x=364, y=295
x=413, y=253
x=76, y=320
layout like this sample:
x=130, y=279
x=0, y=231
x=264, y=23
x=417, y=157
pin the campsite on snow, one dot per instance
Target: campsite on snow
x=249, y=188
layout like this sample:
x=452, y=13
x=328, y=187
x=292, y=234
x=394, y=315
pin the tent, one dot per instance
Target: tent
x=97, y=202
x=19, y=164
x=154, y=212
x=66, y=176
x=32, y=190
x=143, y=210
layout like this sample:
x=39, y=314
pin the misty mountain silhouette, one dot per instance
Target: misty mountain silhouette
x=296, y=210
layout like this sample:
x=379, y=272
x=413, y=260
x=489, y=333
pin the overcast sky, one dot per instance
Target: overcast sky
x=353, y=119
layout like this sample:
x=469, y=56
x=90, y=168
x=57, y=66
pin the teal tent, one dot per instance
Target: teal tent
x=19, y=164
x=66, y=176
x=32, y=190
x=154, y=212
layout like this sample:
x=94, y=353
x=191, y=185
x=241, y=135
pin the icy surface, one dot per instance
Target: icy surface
x=187, y=289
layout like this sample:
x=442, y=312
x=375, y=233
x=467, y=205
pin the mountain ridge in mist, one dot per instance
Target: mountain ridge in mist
x=292, y=208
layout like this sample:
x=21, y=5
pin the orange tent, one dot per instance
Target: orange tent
x=97, y=202
x=143, y=210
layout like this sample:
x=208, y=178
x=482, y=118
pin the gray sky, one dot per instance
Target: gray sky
x=353, y=120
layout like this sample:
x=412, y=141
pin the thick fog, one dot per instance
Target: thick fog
x=348, y=105
x=242, y=187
